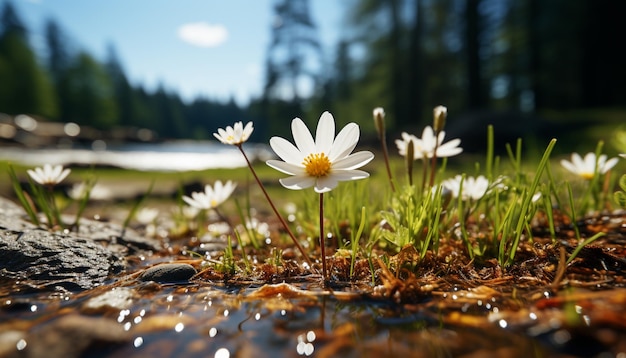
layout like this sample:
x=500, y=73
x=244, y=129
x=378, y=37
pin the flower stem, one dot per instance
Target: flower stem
x=280, y=217
x=383, y=143
x=433, y=162
x=322, y=243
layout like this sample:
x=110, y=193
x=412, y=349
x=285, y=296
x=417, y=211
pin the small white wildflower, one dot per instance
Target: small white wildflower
x=425, y=147
x=147, y=215
x=235, y=135
x=48, y=174
x=97, y=192
x=473, y=188
x=586, y=168
x=212, y=196
x=321, y=163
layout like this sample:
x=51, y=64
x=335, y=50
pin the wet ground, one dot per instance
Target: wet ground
x=539, y=307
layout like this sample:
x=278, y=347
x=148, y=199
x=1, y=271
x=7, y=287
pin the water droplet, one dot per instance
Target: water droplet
x=587, y=320
x=561, y=337
x=222, y=353
x=137, y=320
x=578, y=309
x=532, y=315
x=179, y=327
x=138, y=342
x=33, y=308
x=212, y=332
x=502, y=323
x=21, y=344
x=127, y=326
x=226, y=313
x=170, y=298
x=257, y=316
x=310, y=336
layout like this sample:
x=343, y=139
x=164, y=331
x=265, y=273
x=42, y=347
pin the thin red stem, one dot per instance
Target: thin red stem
x=386, y=156
x=322, y=243
x=280, y=217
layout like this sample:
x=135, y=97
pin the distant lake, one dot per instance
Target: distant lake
x=165, y=156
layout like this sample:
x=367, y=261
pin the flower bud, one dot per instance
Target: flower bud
x=379, y=120
x=439, y=118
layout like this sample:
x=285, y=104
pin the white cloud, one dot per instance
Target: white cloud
x=203, y=34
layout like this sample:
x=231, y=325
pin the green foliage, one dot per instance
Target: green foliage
x=620, y=196
x=413, y=219
x=25, y=88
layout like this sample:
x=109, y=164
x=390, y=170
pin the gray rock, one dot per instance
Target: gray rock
x=48, y=259
x=168, y=273
x=72, y=260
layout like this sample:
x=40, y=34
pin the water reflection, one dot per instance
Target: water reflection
x=167, y=156
x=204, y=320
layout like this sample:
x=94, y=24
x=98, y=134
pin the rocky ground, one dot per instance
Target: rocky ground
x=98, y=292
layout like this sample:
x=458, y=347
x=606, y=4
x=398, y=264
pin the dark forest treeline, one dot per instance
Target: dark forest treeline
x=530, y=56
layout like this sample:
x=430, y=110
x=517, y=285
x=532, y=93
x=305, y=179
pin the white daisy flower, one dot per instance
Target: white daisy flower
x=212, y=196
x=473, y=188
x=96, y=192
x=49, y=175
x=235, y=135
x=425, y=147
x=321, y=163
x=147, y=216
x=586, y=167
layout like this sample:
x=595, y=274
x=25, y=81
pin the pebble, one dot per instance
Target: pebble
x=168, y=273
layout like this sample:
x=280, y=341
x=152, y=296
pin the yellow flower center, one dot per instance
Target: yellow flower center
x=316, y=165
x=587, y=175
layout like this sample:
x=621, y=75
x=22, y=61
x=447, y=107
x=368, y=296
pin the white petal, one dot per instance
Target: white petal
x=354, y=161
x=590, y=161
x=63, y=175
x=569, y=166
x=287, y=168
x=326, y=184
x=55, y=172
x=401, y=146
x=247, y=131
x=325, y=133
x=345, y=175
x=302, y=137
x=35, y=175
x=190, y=201
x=428, y=138
x=297, y=182
x=285, y=150
x=345, y=142
x=449, y=149
x=609, y=164
x=577, y=161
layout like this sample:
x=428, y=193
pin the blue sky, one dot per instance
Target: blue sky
x=213, y=48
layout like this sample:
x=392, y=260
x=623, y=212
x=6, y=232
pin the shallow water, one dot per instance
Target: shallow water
x=209, y=320
x=166, y=156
